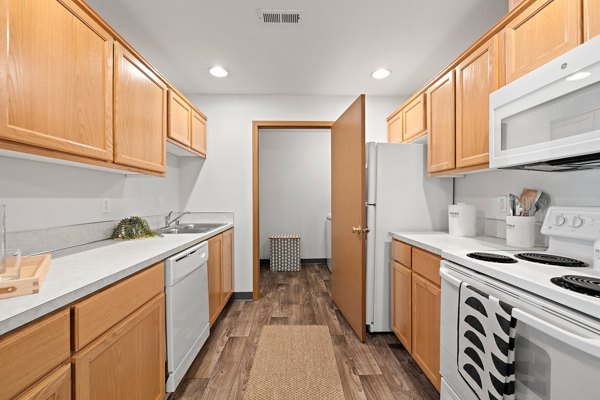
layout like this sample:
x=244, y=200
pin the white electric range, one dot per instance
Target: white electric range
x=556, y=298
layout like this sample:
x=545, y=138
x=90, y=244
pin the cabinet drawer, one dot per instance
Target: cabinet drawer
x=427, y=265
x=100, y=312
x=32, y=352
x=401, y=253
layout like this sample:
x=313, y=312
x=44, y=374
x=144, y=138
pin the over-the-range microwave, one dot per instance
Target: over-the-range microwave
x=549, y=119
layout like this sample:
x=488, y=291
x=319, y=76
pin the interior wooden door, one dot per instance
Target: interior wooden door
x=348, y=211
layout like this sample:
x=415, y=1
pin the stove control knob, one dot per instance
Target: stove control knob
x=560, y=220
x=577, y=222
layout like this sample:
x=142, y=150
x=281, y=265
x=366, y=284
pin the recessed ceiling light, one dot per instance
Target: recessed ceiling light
x=577, y=76
x=381, y=73
x=219, y=72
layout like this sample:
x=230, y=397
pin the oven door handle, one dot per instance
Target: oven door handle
x=585, y=344
x=445, y=274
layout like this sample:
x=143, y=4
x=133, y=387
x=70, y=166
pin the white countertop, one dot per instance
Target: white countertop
x=90, y=268
x=438, y=242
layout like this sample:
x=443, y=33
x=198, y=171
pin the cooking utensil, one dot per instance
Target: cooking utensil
x=513, y=204
x=542, y=202
x=528, y=199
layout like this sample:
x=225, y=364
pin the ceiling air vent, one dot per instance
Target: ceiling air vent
x=270, y=16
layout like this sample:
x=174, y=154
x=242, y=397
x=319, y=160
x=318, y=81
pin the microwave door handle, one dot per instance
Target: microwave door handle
x=587, y=345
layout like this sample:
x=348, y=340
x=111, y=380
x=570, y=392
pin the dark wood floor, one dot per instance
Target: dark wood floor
x=378, y=369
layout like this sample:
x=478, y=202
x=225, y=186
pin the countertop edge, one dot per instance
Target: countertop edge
x=26, y=317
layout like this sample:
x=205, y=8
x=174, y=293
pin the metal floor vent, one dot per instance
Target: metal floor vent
x=271, y=16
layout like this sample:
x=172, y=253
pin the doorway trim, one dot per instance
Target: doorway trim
x=256, y=127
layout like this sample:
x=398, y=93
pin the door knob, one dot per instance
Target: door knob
x=356, y=229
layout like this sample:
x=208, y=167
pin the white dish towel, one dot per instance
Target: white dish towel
x=486, y=344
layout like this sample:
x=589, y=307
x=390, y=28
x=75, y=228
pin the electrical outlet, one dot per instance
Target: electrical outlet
x=501, y=205
x=105, y=206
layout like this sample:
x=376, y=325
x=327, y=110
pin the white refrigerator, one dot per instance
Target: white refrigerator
x=400, y=197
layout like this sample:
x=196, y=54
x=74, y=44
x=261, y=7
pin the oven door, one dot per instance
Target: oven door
x=557, y=353
x=551, y=113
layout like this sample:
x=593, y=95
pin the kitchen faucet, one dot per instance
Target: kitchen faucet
x=168, y=221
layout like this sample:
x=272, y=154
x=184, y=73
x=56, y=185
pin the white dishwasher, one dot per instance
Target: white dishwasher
x=186, y=288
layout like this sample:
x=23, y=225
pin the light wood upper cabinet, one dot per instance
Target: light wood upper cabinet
x=140, y=114
x=198, y=133
x=395, y=126
x=215, y=277
x=227, y=265
x=441, y=124
x=414, y=119
x=128, y=362
x=56, y=386
x=57, y=78
x=401, y=304
x=542, y=32
x=180, y=113
x=30, y=353
x=591, y=19
x=426, y=327
x=476, y=78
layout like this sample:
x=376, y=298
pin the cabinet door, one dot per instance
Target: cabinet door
x=140, y=114
x=180, y=113
x=415, y=119
x=545, y=30
x=57, y=78
x=591, y=19
x=426, y=327
x=440, y=120
x=198, y=133
x=215, y=246
x=395, y=128
x=56, y=386
x=227, y=265
x=401, y=304
x=128, y=362
x=476, y=78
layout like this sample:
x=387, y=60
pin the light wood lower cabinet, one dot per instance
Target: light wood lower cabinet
x=31, y=352
x=220, y=272
x=416, y=308
x=140, y=114
x=128, y=362
x=591, y=19
x=426, y=327
x=441, y=124
x=401, y=304
x=56, y=386
x=57, y=78
x=544, y=31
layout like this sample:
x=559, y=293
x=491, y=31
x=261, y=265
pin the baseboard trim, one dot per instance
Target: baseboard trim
x=266, y=261
x=241, y=296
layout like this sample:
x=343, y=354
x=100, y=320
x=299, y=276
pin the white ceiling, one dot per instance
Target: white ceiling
x=332, y=52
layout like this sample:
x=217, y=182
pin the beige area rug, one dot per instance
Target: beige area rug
x=294, y=362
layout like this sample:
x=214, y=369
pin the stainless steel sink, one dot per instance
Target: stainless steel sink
x=190, y=228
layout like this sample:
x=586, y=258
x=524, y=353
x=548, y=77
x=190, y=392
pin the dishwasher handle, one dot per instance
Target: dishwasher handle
x=587, y=345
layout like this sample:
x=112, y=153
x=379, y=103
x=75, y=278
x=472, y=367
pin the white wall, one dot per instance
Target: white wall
x=578, y=188
x=295, y=187
x=41, y=195
x=225, y=181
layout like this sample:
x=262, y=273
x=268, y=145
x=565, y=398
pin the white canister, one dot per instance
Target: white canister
x=520, y=231
x=462, y=219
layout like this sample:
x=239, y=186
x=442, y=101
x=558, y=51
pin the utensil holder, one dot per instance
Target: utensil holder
x=520, y=231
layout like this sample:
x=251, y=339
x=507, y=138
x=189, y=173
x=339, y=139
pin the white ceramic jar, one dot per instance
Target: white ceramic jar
x=462, y=219
x=520, y=231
